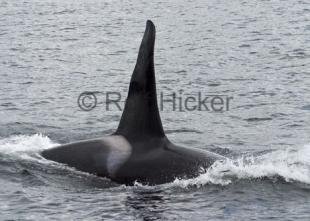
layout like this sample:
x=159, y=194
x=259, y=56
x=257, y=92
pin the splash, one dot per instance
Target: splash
x=292, y=164
x=25, y=143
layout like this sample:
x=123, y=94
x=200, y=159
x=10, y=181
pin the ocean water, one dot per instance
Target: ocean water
x=257, y=52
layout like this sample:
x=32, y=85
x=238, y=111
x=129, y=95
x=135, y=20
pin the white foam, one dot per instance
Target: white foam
x=25, y=143
x=291, y=164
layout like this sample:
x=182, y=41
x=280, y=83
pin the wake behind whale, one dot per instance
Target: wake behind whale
x=139, y=149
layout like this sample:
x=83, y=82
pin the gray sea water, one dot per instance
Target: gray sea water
x=258, y=52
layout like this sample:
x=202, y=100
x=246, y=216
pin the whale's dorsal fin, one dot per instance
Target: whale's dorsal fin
x=141, y=117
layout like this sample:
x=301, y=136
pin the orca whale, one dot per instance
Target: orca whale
x=139, y=150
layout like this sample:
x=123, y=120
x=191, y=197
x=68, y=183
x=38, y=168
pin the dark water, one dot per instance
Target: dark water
x=258, y=52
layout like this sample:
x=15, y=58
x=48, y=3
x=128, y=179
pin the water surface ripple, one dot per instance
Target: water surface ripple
x=258, y=52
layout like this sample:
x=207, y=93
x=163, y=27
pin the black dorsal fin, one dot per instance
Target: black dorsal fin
x=141, y=117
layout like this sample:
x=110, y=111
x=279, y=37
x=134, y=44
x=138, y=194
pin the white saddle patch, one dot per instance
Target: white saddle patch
x=119, y=152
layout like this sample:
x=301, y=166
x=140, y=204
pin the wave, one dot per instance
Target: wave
x=290, y=164
x=25, y=143
x=26, y=147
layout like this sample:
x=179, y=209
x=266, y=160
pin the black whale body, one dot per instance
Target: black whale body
x=138, y=150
